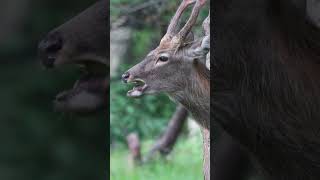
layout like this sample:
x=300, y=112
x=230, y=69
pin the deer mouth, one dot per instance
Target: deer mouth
x=89, y=92
x=139, y=87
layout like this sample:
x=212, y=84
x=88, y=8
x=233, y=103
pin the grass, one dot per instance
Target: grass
x=184, y=163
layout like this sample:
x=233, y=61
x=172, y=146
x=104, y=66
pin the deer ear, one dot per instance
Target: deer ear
x=203, y=51
x=313, y=11
x=190, y=37
x=205, y=43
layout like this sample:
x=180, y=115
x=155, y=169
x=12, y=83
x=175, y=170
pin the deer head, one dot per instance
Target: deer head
x=81, y=41
x=177, y=66
x=175, y=63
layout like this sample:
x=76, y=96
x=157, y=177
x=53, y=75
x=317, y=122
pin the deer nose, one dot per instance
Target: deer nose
x=125, y=77
x=49, y=47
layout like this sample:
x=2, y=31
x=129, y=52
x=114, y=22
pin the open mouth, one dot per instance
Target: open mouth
x=139, y=87
x=88, y=93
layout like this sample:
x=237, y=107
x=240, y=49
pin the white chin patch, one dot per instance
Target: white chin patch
x=137, y=91
x=134, y=93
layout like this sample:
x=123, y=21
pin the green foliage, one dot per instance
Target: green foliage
x=142, y=42
x=184, y=163
x=148, y=115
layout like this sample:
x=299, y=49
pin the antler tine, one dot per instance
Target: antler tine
x=192, y=19
x=174, y=21
x=206, y=25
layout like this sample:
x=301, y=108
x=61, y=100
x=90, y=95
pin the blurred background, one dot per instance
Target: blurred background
x=36, y=142
x=143, y=144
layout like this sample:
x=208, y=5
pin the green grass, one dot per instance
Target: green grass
x=184, y=163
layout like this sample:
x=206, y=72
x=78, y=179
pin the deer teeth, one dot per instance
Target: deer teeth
x=137, y=82
x=134, y=93
x=137, y=91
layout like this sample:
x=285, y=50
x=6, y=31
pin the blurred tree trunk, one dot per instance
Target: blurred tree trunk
x=165, y=144
x=134, y=148
x=206, y=153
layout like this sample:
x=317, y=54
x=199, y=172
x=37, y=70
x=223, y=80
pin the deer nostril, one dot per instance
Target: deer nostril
x=54, y=46
x=49, y=47
x=125, y=77
x=52, y=43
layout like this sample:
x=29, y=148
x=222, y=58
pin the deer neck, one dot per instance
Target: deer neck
x=196, y=96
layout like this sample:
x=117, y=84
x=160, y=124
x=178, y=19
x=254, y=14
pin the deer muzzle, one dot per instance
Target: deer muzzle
x=139, y=85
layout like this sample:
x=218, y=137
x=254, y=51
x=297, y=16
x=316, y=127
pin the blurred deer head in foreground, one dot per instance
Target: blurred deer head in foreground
x=178, y=65
x=81, y=41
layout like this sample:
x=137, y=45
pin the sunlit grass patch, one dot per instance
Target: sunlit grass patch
x=185, y=163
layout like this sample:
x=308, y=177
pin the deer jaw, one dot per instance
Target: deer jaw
x=196, y=95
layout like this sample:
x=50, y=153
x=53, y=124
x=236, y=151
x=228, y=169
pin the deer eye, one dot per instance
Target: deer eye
x=163, y=58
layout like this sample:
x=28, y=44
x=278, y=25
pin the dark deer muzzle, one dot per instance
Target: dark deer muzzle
x=81, y=41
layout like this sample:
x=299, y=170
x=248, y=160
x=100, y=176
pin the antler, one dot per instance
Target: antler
x=174, y=21
x=170, y=37
x=192, y=19
x=206, y=25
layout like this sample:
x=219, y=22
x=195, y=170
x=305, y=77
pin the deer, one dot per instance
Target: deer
x=81, y=41
x=178, y=67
